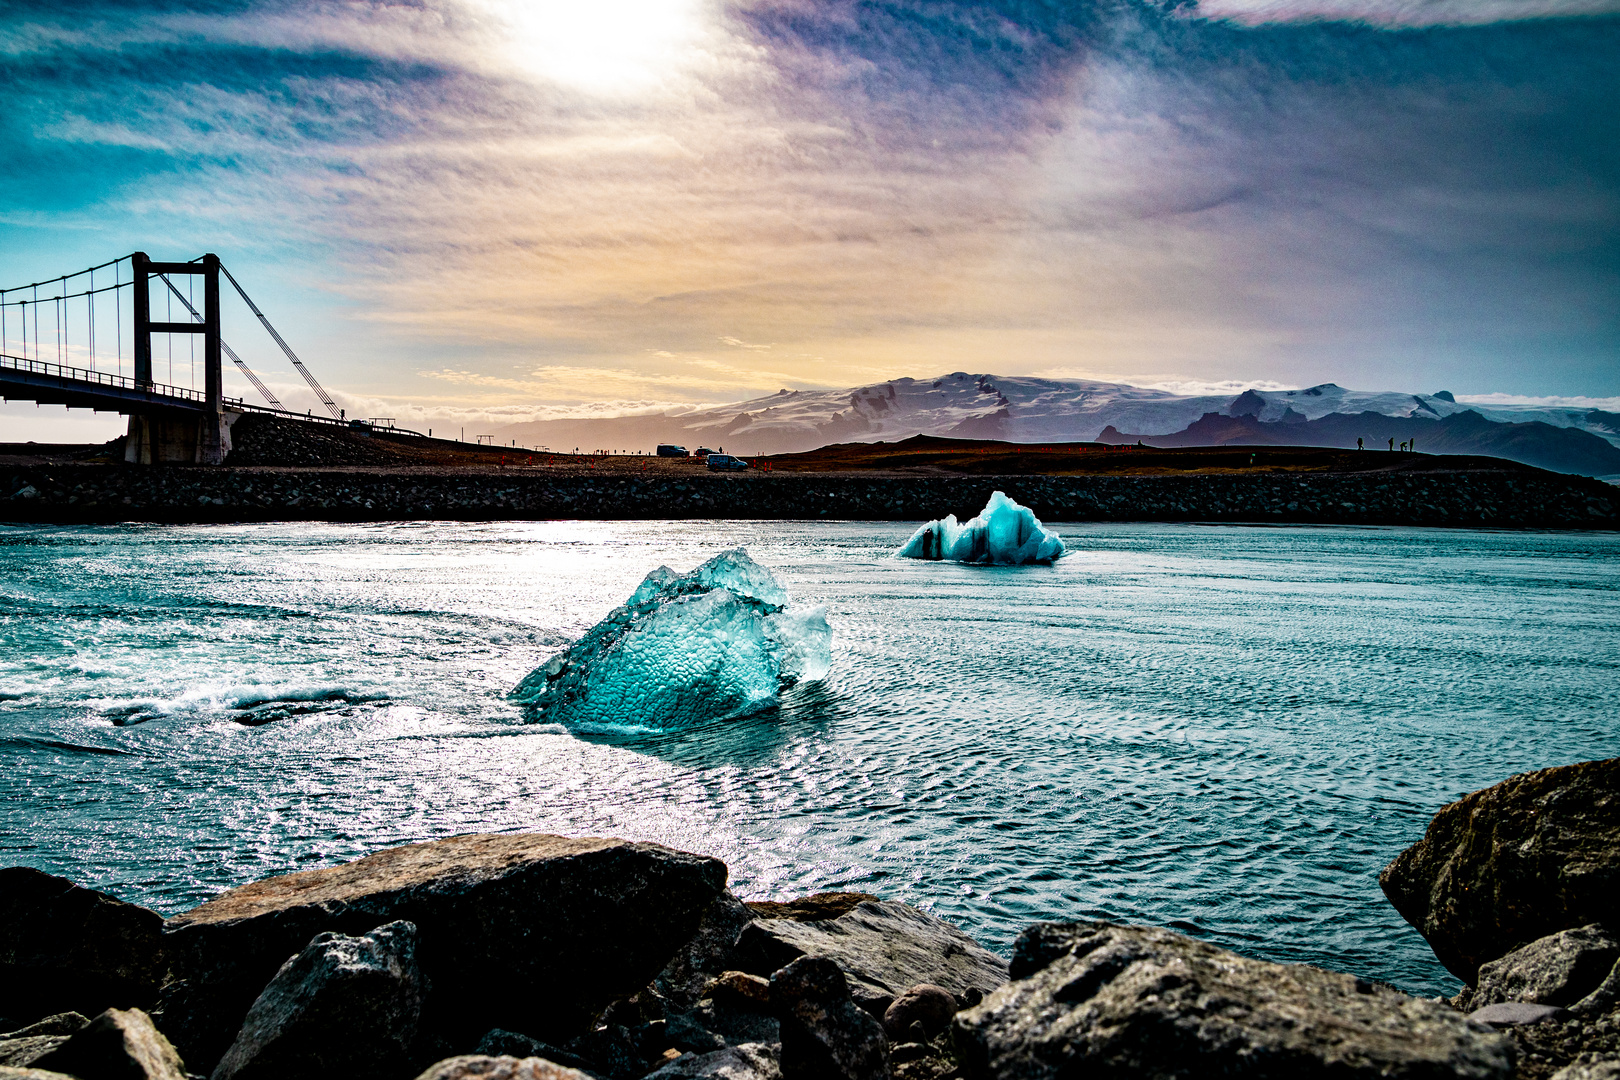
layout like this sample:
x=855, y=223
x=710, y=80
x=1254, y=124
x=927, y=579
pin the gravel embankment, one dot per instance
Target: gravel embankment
x=101, y=493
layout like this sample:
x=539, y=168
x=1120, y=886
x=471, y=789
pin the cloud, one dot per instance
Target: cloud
x=890, y=187
x=1401, y=13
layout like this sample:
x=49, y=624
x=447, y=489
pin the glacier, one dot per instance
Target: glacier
x=1004, y=533
x=715, y=643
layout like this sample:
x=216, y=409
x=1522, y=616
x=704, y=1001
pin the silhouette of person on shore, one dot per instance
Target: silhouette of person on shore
x=1392, y=444
x=1411, y=446
x=1359, y=446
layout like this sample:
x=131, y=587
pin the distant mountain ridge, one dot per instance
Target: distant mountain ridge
x=1565, y=450
x=1024, y=409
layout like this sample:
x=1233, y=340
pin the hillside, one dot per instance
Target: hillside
x=1030, y=410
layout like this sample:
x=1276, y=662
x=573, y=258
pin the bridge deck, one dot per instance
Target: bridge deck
x=22, y=379
x=79, y=388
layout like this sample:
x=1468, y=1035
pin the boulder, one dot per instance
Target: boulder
x=57, y=1024
x=751, y=1061
x=499, y=1043
x=23, y=1052
x=119, y=1044
x=919, y=1014
x=825, y=1035
x=64, y=947
x=817, y=907
x=711, y=951
x=882, y=946
x=344, y=1006
x=726, y=1020
x=1517, y=1014
x=523, y=931
x=1125, y=1001
x=613, y=1050
x=1597, y=1070
x=739, y=986
x=479, y=1067
x=1560, y=969
x=1500, y=868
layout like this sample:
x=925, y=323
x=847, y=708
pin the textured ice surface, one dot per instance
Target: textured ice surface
x=717, y=642
x=1002, y=533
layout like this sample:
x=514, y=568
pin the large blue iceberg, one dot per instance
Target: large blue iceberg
x=1003, y=533
x=718, y=642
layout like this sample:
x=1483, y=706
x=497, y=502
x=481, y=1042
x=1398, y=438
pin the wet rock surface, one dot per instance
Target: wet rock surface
x=67, y=948
x=1500, y=868
x=883, y=947
x=1124, y=1001
x=344, y=1006
x=523, y=931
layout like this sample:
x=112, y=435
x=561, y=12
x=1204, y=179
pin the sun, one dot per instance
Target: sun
x=607, y=47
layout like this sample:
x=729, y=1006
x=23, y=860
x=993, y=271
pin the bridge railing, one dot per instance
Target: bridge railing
x=85, y=375
x=184, y=393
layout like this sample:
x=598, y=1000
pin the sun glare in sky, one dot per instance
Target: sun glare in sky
x=602, y=47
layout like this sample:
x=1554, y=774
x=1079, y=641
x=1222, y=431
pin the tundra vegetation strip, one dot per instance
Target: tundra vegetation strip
x=90, y=494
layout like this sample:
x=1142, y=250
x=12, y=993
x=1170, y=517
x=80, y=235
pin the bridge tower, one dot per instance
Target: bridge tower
x=206, y=438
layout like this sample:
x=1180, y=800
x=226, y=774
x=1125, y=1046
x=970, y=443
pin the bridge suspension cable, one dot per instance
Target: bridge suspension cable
x=61, y=295
x=320, y=391
x=224, y=348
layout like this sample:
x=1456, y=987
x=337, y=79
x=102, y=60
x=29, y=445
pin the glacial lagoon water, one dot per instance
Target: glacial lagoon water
x=1226, y=730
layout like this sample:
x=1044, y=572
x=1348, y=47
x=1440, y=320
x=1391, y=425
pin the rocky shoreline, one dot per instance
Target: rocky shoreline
x=535, y=957
x=91, y=494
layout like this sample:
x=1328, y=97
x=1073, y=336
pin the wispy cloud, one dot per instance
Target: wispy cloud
x=1402, y=13
x=625, y=200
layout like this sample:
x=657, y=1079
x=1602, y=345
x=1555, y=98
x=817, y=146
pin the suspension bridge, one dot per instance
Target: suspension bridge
x=63, y=341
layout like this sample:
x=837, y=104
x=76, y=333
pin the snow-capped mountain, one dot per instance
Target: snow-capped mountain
x=1015, y=409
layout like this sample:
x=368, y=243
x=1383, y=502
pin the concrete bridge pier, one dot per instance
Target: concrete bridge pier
x=179, y=438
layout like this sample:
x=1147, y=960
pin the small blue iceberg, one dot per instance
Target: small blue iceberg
x=1003, y=534
x=716, y=643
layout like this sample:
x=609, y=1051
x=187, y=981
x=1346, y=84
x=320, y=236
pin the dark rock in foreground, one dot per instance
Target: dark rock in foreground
x=884, y=948
x=825, y=1035
x=1500, y=868
x=529, y=932
x=67, y=948
x=1567, y=969
x=1123, y=1002
x=344, y=1006
x=117, y=1045
x=751, y=1061
x=919, y=1014
x=710, y=952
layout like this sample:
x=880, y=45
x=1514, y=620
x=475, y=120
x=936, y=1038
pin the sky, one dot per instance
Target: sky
x=514, y=209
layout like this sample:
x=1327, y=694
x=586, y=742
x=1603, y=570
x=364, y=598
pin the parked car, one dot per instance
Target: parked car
x=671, y=450
x=726, y=462
x=702, y=452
